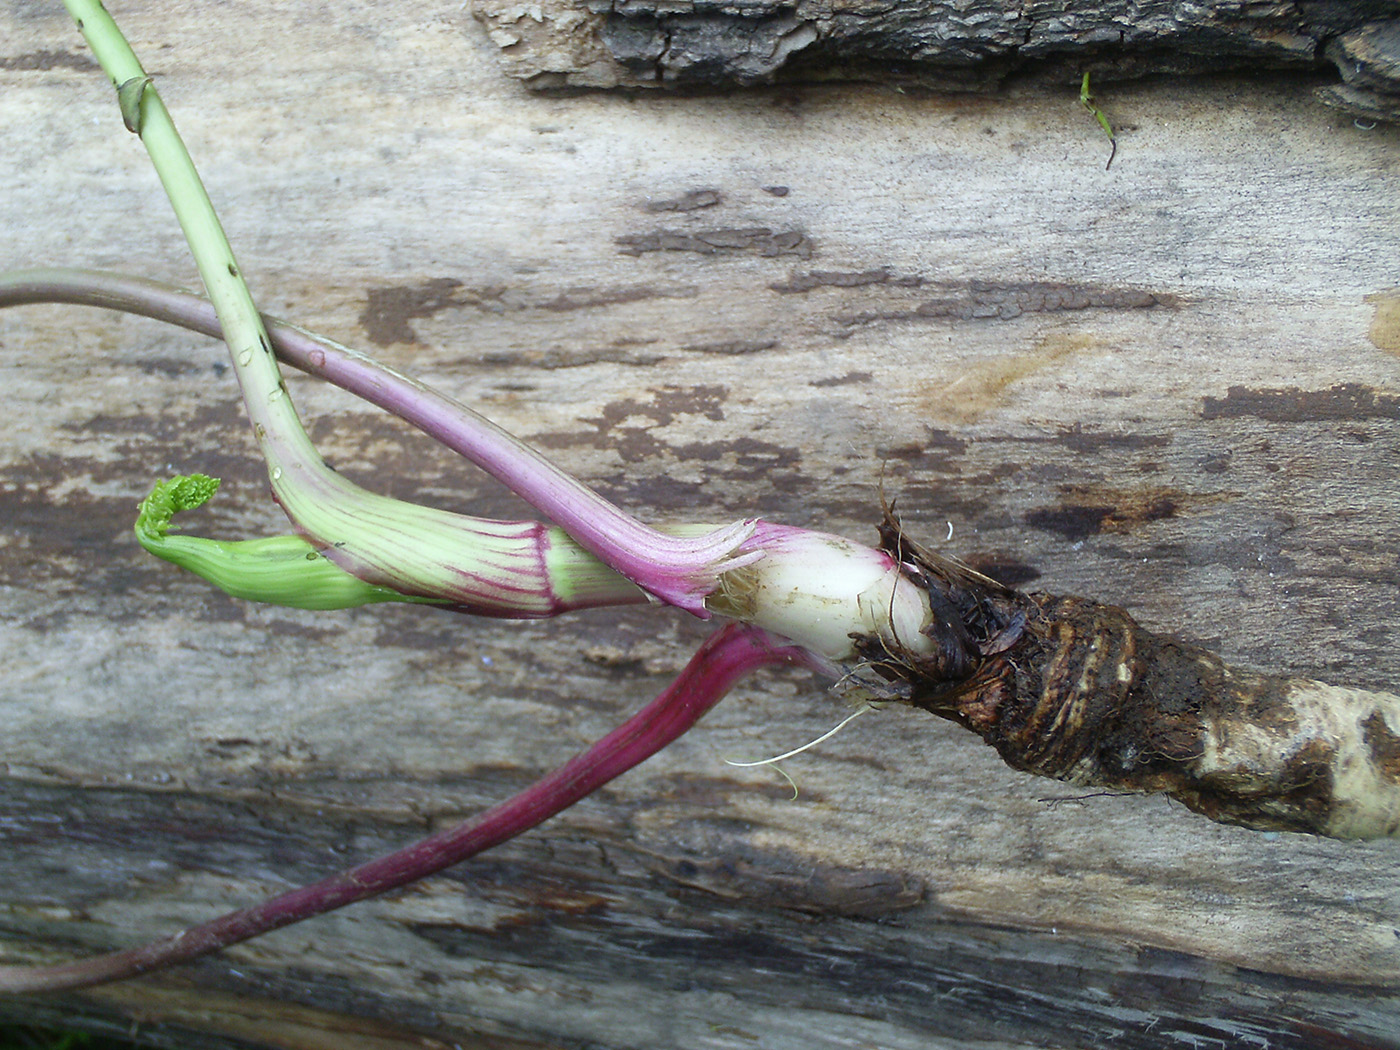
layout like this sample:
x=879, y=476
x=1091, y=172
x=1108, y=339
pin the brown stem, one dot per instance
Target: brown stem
x=1076, y=690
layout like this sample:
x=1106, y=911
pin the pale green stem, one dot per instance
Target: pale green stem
x=284, y=441
x=300, y=479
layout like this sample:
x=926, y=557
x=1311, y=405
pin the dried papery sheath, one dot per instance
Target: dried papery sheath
x=1076, y=690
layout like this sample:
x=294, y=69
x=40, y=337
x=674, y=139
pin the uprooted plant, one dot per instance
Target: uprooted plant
x=1062, y=687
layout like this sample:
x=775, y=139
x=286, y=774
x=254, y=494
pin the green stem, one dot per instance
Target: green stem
x=275, y=421
x=301, y=481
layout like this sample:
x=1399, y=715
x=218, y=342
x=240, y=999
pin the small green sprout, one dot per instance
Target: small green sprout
x=1086, y=99
x=168, y=498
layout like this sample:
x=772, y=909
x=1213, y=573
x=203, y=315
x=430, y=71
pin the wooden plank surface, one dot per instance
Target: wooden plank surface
x=1173, y=385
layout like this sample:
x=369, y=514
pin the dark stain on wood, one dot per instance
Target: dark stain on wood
x=785, y=487
x=732, y=347
x=1077, y=439
x=975, y=299
x=388, y=311
x=987, y=300
x=549, y=359
x=182, y=830
x=176, y=368
x=589, y=297
x=664, y=406
x=43, y=60
x=1346, y=401
x=743, y=458
x=1087, y=510
x=757, y=240
x=60, y=537
x=1004, y=568
x=626, y=427
x=439, y=638
x=938, y=443
x=805, y=282
x=691, y=201
x=1073, y=521
x=198, y=424
x=47, y=540
x=779, y=879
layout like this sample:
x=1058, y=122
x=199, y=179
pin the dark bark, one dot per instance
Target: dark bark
x=698, y=914
x=963, y=44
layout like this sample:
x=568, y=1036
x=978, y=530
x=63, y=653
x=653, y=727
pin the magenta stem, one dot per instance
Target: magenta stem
x=679, y=570
x=728, y=655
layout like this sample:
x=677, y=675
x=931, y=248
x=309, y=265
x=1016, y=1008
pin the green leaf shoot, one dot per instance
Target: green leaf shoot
x=168, y=498
x=276, y=570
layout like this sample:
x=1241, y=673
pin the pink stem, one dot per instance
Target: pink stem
x=726, y=656
x=679, y=570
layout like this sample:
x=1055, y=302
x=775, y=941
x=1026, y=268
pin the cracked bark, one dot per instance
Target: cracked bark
x=963, y=45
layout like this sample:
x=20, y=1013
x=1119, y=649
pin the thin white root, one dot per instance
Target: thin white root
x=810, y=744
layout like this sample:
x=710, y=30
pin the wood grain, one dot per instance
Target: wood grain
x=1173, y=386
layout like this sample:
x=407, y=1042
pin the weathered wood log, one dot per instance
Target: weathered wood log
x=1173, y=386
x=964, y=45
